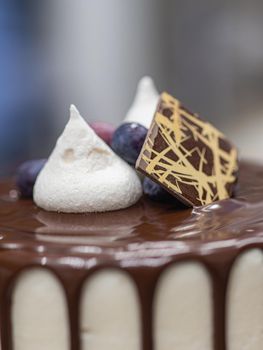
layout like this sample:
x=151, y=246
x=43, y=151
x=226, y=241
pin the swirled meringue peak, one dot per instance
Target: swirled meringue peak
x=83, y=174
x=145, y=103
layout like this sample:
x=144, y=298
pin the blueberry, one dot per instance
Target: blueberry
x=127, y=141
x=26, y=176
x=103, y=130
x=158, y=193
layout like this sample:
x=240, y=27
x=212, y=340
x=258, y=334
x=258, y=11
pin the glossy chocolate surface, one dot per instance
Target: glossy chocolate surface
x=142, y=240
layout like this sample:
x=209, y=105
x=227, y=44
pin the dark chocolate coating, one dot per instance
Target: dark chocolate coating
x=121, y=239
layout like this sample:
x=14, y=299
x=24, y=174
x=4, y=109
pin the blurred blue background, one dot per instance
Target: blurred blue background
x=92, y=53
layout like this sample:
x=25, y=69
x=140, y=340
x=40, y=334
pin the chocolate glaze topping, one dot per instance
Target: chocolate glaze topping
x=141, y=240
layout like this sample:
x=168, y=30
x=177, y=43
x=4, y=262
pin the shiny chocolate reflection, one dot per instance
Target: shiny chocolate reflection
x=88, y=228
x=147, y=221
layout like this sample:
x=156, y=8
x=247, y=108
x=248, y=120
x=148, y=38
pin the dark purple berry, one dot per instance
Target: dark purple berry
x=26, y=176
x=157, y=193
x=128, y=140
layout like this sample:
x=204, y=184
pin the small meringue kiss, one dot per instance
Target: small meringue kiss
x=83, y=174
x=145, y=103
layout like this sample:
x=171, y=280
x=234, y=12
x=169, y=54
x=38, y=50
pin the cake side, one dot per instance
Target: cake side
x=151, y=244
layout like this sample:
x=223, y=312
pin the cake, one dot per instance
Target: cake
x=91, y=262
x=143, y=277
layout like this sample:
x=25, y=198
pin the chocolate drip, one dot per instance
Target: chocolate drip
x=71, y=285
x=219, y=277
x=146, y=282
x=5, y=316
x=141, y=241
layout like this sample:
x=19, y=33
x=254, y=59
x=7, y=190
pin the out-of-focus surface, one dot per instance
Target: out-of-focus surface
x=92, y=53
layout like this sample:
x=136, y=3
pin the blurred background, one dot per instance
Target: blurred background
x=207, y=53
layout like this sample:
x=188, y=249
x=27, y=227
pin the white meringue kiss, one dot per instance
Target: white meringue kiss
x=83, y=174
x=145, y=103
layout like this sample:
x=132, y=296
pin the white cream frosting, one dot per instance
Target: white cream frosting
x=83, y=174
x=110, y=310
x=145, y=103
